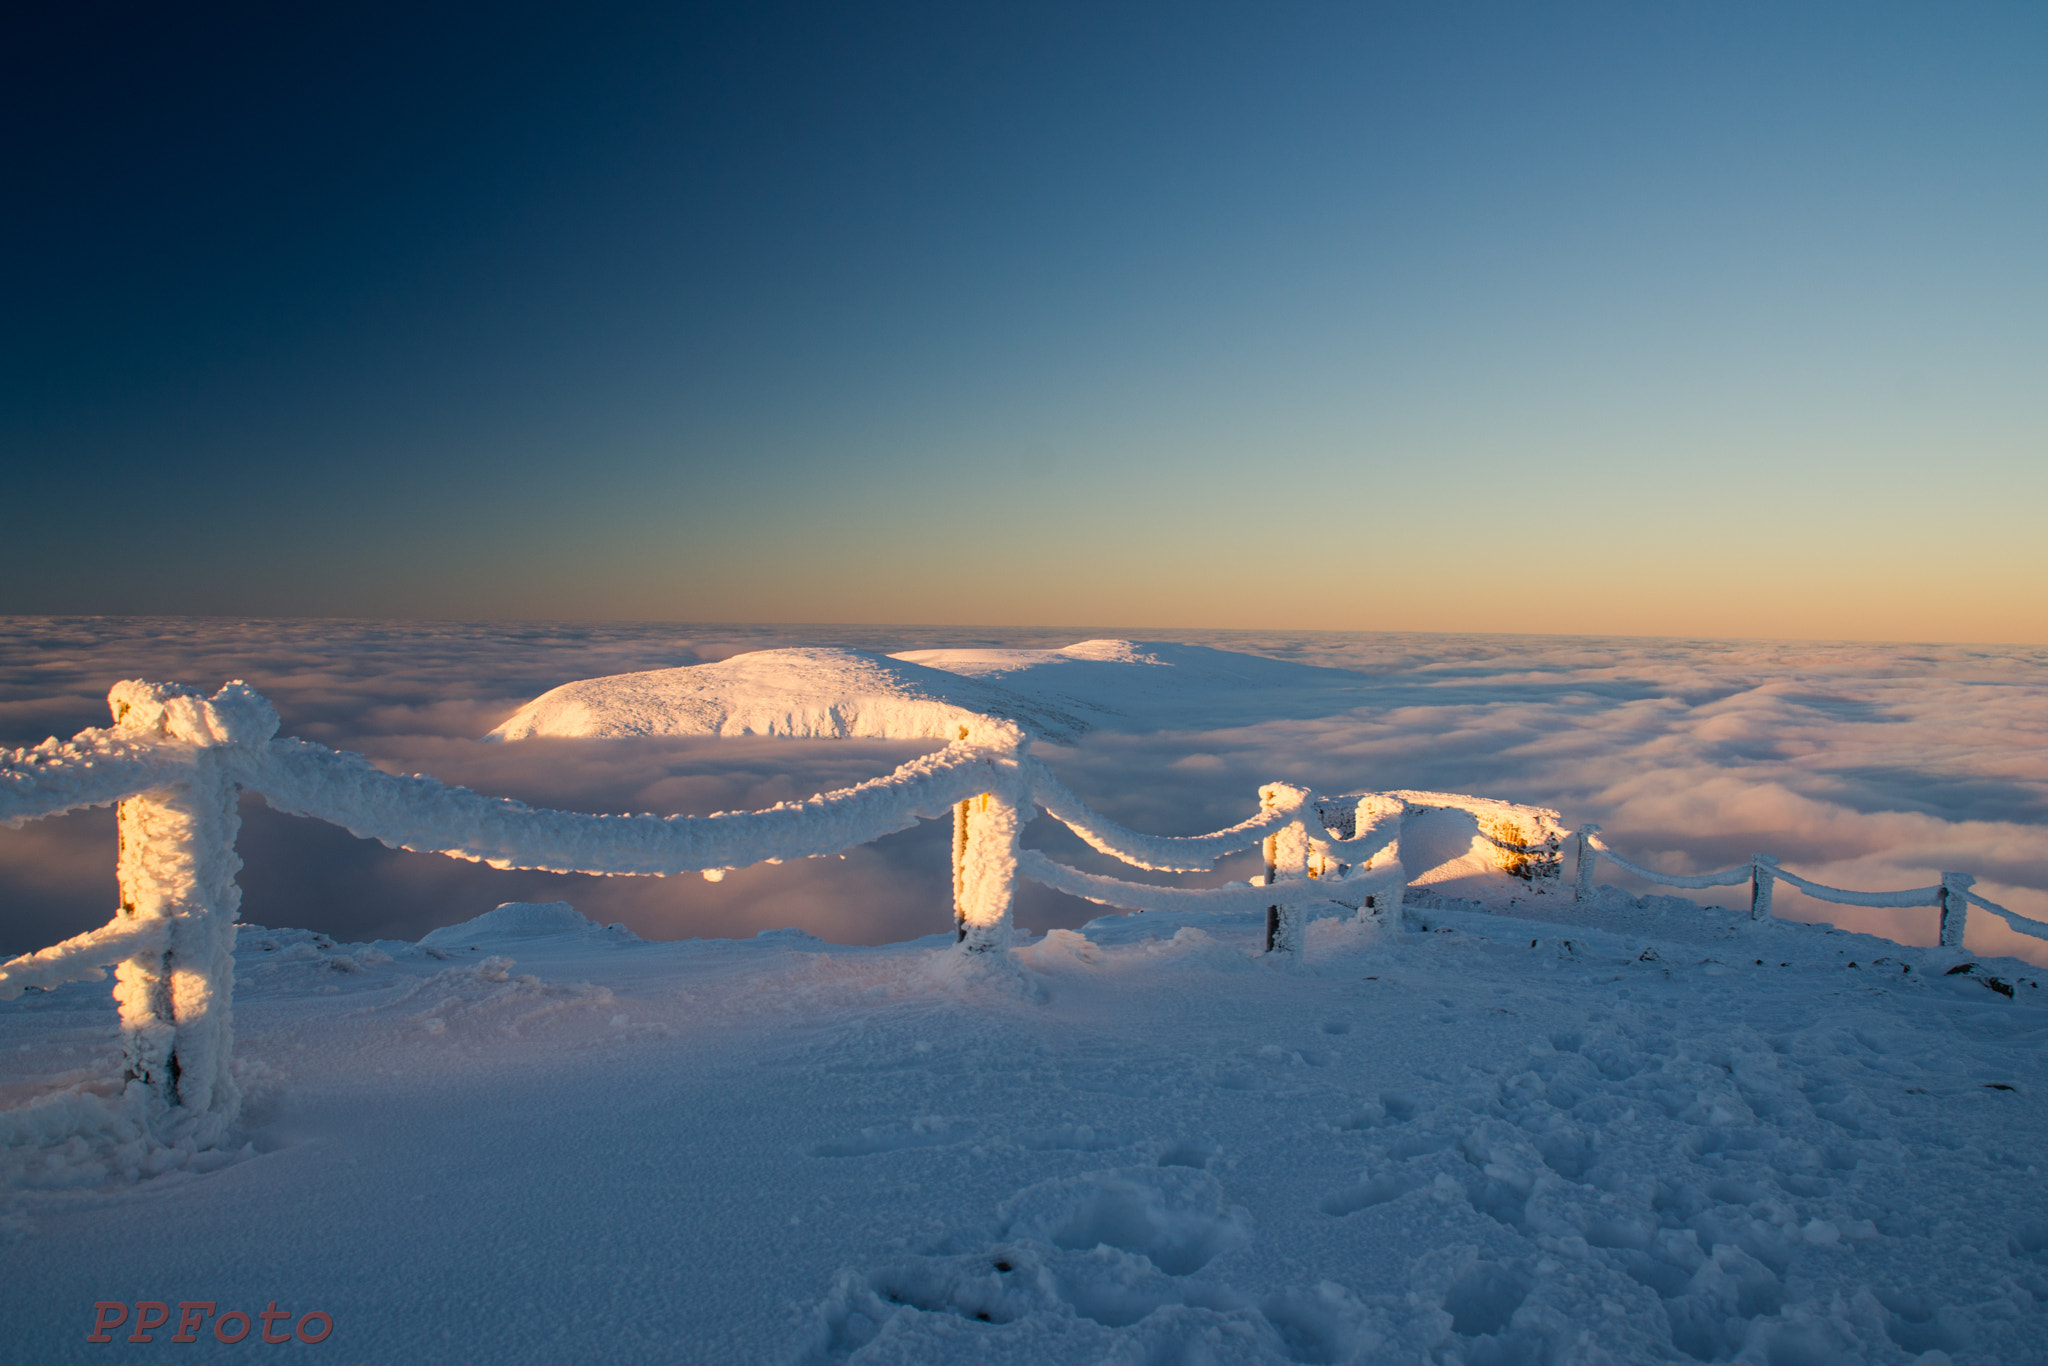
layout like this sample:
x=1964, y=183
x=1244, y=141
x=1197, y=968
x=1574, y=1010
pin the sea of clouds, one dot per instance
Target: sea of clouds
x=1870, y=766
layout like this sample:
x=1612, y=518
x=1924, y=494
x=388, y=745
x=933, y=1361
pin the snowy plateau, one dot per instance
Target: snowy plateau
x=1500, y=1125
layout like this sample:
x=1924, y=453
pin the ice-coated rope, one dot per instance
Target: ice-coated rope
x=94, y=768
x=2024, y=924
x=1917, y=896
x=1726, y=878
x=83, y=957
x=1139, y=896
x=428, y=816
x=1157, y=853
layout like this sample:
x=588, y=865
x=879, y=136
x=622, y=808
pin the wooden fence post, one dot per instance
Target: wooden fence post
x=960, y=821
x=985, y=830
x=1589, y=861
x=1955, y=907
x=1762, y=881
x=177, y=864
x=1376, y=811
x=1286, y=852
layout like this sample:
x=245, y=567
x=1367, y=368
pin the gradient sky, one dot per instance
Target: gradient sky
x=1651, y=318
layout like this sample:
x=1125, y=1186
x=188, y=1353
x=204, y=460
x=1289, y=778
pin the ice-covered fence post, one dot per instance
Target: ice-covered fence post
x=1286, y=851
x=960, y=816
x=1955, y=907
x=177, y=864
x=1377, y=811
x=1762, y=880
x=984, y=870
x=1589, y=862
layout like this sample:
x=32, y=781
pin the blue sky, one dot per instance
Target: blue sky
x=1651, y=318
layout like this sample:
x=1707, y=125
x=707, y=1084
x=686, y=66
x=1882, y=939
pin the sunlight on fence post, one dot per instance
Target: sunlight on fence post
x=960, y=819
x=1376, y=812
x=1589, y=862
x=1762, y=881
x=1286, y=851
x=1955, y=907
x=176, y=865
x=984, y=871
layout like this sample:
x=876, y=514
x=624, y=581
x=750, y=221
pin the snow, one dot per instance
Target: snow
x=522, y=920
x=1490, y=1123
x=1555, y=1131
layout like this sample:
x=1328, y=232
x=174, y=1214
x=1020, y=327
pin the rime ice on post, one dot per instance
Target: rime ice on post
x=1286, y=851
x=984, y=870
x=1379, y=813
x=1955, y=907
x=176, y=868
x=1762, y=880
x=985, y=830
x=1589, y=862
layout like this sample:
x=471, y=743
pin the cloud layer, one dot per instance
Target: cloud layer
x=1867, y=766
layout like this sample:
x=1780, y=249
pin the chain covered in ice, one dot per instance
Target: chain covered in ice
x=428, y=816
x=2013, y=918
x=81, y=958
x=1138, y=896
x=1728, y=877
x=1157, y=853
x=1917, y=896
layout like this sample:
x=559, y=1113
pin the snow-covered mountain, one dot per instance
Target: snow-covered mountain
x=828, y=693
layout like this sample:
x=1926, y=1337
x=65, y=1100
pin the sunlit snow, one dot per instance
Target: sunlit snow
x=1511, y=1127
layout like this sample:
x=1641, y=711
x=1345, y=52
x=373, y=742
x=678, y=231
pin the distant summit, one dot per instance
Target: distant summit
x=832, y=693
x=803, y=693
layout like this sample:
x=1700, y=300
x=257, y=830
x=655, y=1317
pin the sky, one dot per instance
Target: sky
x=1648, y=319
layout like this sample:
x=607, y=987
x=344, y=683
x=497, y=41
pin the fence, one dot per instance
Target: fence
x=1952, y=895
x=174, y=762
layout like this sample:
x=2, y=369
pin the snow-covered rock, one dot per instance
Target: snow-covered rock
x=523, y=920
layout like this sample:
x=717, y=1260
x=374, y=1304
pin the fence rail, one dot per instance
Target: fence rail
x=1952, y=894
x=174, y=763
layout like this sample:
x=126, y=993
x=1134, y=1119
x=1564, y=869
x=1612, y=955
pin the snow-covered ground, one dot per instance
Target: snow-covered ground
x=1531, y=1130
x=1629, y=1131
